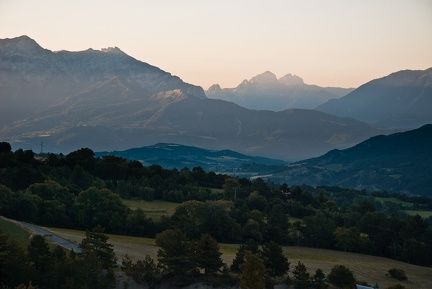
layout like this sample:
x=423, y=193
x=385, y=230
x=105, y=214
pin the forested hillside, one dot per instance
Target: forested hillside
x=83, y=192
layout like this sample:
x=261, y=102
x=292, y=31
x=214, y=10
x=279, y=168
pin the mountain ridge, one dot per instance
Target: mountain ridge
x=266, y=91
x=398, y=162
x=169, y=155
x=34, y=78
x=111, y=101
x=402, y=99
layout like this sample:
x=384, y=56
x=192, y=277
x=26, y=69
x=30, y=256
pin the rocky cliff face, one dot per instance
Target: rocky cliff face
x=33, y=78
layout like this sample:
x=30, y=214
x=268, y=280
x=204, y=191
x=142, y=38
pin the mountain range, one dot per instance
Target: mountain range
x=109, y=101
x=33, y=78
x=266, y=91
x=179, y=156
x=399, y=162
x=400, y=100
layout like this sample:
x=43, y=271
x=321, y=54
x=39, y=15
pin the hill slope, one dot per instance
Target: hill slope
x=179, y=156
x=400, y=100
x=398, y=162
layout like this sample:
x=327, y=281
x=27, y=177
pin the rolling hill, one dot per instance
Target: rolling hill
x=399, y=162
x=180, y=156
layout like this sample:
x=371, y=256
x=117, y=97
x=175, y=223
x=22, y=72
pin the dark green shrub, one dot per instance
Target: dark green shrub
x=396, y=286
x=397, y=274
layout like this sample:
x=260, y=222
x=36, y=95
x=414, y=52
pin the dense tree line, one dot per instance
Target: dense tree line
x=81, y=191
x=42, y=267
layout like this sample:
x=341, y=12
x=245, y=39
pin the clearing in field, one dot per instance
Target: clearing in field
x=154, y=209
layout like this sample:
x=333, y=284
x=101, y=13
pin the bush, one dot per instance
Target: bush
x=341, y=276
x=396, y=286
x=397, y=274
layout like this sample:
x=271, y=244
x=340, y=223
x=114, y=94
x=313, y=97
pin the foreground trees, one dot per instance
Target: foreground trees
x=95, y=245
x=41, y=267
x=253, y=272
x=80, y=191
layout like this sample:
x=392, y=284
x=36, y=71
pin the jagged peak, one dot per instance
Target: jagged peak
x=291, y=79
x=113, y=50
x=214, y=88
x=267, y=77
x=21, y=43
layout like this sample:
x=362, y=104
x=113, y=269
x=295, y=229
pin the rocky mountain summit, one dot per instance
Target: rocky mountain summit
x=266, y=91
x=33, y=78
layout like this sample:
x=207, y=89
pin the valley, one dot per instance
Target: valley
x=134, y=161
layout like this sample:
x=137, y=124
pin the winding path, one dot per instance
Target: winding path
x=52, y=237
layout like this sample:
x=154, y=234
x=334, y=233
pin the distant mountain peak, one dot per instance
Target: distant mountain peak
x=112, y=50
x=290, y=79
x=21, y=44
x=215, y=88
x=264, y=78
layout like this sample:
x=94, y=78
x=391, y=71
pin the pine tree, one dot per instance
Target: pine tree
x=251, y=246
x=274, y=259
x=253, y=272
x=175, y=254
x=208, y=255
x=301, y=276
x=96, y=242
x=318, y=280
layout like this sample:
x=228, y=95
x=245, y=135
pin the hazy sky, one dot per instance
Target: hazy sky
x=326, y=42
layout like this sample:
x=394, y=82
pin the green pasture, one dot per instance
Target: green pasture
x=423, y=214
x=154, y=209
x=394, y=200
x=15, y=232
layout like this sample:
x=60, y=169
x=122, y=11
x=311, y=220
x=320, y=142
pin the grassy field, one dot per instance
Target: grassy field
x=154, y=209
x=15, y=232
x=423, y=214
x=366, y=268
x=396, y=201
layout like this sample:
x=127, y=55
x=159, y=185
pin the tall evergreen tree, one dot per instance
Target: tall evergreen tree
x=39, y=256
x=96, y=242
x=253, y=272
x=301, y=276
x=318, y=280
x=274, y=259
x=251, y=246
x=175, y=254
x=208, y=255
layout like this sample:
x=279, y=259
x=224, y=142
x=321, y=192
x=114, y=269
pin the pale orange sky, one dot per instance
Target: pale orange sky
x=329, y=43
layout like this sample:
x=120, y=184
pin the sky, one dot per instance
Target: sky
x=343, y=43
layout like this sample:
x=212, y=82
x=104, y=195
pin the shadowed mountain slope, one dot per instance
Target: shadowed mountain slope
x=400, y=100
x=399, y=162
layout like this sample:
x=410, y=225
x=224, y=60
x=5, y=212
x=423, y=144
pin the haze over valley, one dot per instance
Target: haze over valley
x=215, y=144
x=108, y=100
